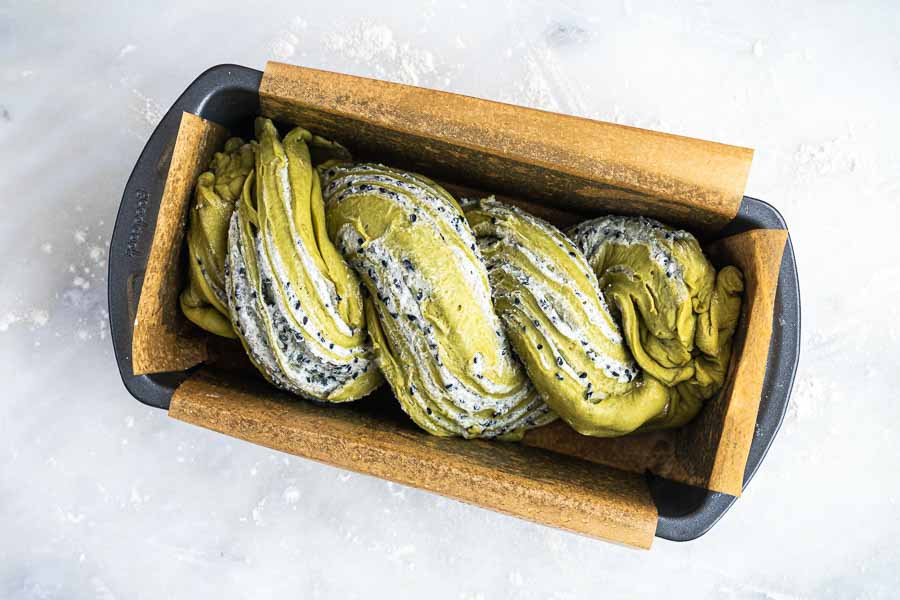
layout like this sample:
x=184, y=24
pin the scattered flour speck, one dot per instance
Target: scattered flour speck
x=283, y=48
x=35, y=317
x=148, y=110
x=758, y=48
x=7, y=320
x=39, y=317
x=833, y=156
x=257, y=512
x=291, y=495
x=387, y=58
x=545, y=86
x=809, y=396
x=47, y=248
x=127, y=49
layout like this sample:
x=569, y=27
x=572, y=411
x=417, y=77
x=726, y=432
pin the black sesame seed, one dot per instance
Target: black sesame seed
x=428, y=410
x=540, y=346
x=582, y=375
x=305, y=319
x=559, y=360
x=558, y=376
x=412, y=218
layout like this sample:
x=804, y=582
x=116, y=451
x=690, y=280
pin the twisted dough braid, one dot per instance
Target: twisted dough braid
x=485, y=323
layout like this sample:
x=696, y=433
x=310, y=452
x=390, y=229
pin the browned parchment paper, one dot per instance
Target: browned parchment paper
x=573, y=163
x=163, y=339
x=568, y=493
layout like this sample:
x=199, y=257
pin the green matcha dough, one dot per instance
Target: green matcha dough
x=678, y=316
x=203, y=301
x=294, y=302
x=336, y=276
x=439, y=342
x=711, y=354
x=560, y=325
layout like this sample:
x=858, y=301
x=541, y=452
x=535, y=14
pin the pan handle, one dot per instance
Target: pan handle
x=227, y=94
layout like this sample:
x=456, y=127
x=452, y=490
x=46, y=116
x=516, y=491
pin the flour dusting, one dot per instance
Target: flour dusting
x=759, y=48
x=831, y=156
x=148, y=110
x=808, y=398
x=126, y=49
x=546, y=86
x=376, y=47
x=284, y=46
x=291, y=495
x=34, y=318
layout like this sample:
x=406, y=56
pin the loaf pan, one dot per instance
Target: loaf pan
x=229, y=95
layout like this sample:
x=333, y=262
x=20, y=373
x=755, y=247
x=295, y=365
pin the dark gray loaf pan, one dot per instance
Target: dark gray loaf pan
x=228, y=94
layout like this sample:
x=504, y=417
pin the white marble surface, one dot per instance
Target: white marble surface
x=101, y=497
